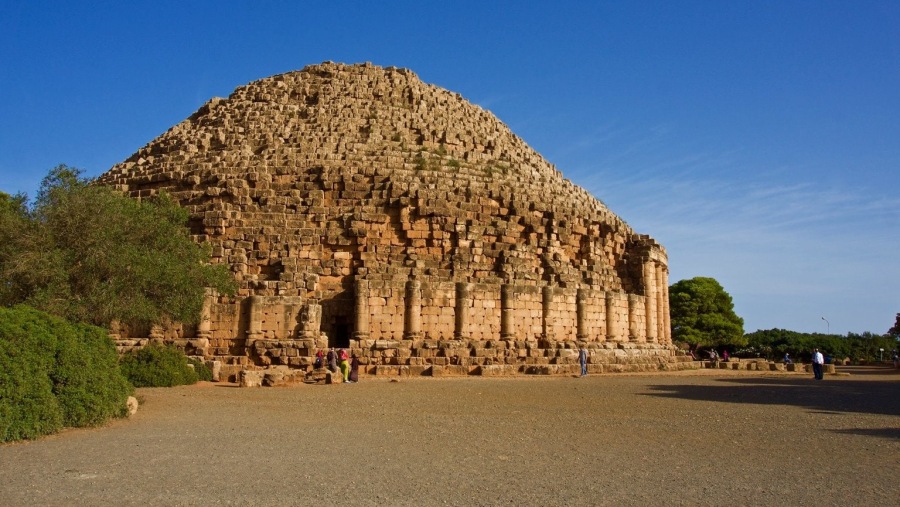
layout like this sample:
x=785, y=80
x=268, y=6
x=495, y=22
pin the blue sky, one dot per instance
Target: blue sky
x=758, y=141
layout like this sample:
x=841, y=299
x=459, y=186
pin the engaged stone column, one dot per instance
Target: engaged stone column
x=311, y=320
x=204, y=328
x=156, y=334
x=581, y=315
x=412, y=324
x=661, y=305
x=361, y=309
x=635, y=330
x=611, y=317
x=463, y=303
x=600, y=308
x=254, y=318
x=507, y=307
x=667, y=327
x=650, y=290
x=547, y=320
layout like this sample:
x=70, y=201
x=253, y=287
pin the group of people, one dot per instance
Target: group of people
x=818, y=363
x=348, y=365
x=715, y=357
x=818, y=360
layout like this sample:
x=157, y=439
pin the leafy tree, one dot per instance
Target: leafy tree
x=13, y=223
x=703, y=314
x=773, y=343
x=895, y=331
x=90, y=254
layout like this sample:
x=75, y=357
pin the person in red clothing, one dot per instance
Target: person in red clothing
x=319, y=360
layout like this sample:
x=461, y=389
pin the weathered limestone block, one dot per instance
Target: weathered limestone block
x=131, y=405
x=215, y=368
x=498, y=370
x=251, y=378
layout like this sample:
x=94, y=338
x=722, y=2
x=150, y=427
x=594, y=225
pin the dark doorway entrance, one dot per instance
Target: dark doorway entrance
x=337, y=320
x=341, y=338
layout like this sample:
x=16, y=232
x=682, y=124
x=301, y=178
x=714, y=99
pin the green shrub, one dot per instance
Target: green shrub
x=87, y=381
x=158, y=366
x=204, y=373
x=28, y=408
x=55, y=374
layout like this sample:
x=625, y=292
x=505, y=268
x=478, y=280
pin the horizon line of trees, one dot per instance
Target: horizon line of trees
x=703, y=317
x=858, y=347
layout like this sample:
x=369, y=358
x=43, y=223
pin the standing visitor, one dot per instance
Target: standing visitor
x=354, y=369
x=714, y=357
x=332, y=361
x=345, y=365
x=582, y=360
x=818, y=360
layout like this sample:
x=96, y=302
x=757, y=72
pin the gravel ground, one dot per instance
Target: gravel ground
x=687, y=438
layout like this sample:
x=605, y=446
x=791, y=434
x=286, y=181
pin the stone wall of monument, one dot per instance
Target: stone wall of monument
x=358, y=206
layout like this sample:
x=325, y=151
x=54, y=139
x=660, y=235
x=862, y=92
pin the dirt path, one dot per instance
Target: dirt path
x=708, y=438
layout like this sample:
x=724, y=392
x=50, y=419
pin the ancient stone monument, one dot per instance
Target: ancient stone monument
x=359, y=207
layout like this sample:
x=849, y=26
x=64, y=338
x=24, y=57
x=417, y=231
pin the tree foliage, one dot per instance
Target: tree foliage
x=55, y=374
x=895, y=330
x=90, y=254
x=702, y=314
x=774, y=343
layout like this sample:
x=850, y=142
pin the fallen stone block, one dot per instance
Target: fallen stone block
x=251, y=378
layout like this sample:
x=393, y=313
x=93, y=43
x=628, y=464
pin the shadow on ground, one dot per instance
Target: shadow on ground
x=832, y=395
x=893, y=433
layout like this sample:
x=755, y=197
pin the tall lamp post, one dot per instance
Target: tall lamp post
x=827, y=325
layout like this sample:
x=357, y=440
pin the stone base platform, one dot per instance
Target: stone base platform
x=281, y=375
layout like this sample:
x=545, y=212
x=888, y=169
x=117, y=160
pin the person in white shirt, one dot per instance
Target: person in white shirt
x=818, y=360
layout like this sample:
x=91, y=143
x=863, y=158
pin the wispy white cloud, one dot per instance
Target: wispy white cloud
x=785, y=250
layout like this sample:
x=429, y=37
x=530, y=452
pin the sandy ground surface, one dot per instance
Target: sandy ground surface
x=687, y=438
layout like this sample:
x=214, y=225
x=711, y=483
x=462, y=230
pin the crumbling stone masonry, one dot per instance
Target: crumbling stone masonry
x=360, y=207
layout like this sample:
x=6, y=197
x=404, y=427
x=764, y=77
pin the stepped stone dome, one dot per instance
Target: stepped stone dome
x=360, y=207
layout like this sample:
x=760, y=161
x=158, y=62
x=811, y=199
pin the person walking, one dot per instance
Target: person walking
x=818, y=360
x=582, y=360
